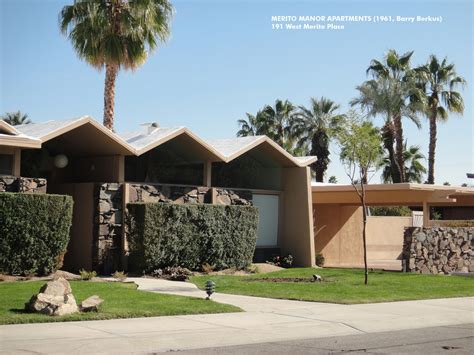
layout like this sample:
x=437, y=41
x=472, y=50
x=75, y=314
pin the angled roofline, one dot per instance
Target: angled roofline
x=14, y=138
x=264, y=139
x=8, y=128
x=19, y=141
x=81, y=121
x=176, y=133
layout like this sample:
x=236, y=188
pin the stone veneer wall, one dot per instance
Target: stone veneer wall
x=439, y=250
x=106, y=253
x=109, y=213
x=22, y=184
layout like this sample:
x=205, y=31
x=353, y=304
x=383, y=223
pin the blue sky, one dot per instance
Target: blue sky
x=224, y=59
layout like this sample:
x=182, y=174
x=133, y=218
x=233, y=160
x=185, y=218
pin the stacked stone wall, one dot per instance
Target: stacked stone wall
x=439, y=250
x=22, y=184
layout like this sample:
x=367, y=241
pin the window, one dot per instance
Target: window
x=6, y=164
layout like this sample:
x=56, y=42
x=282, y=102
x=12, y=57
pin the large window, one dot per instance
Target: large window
x=268, y=207
x=6, y=164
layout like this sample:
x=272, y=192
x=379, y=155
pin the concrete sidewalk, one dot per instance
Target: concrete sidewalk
x=265, y=320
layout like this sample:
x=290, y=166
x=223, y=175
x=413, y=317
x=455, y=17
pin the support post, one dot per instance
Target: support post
x=207, y=180
x=426, y=214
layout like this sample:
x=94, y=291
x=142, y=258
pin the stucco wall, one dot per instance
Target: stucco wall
x=296, y=236
x=338, y=236
x=385, y=237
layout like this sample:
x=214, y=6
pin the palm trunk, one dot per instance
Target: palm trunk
x=111, y=72
x=320, y=149
x=397, y=122
x=388, y=140
x=432, y=148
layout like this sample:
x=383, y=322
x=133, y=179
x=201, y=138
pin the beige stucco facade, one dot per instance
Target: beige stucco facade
x=96, y=155
x=338, y=220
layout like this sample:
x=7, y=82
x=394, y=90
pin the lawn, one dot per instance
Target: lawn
x=344, y=286
x=121, y=300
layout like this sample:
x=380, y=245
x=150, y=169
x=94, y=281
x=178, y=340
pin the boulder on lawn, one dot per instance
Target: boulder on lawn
x=91, y=304
x=55, y=299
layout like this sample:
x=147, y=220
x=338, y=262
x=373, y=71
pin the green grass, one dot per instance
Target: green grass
x=121, y=300
x=345, y=286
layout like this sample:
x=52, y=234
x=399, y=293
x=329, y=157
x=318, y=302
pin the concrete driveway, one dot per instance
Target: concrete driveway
x=265, y=320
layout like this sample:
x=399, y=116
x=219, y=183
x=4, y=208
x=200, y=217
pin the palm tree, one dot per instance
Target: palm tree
x=279, y=118
x=276, y=122
x=115, y=34
x=16, y=118
x=439, y=82
x=396, y=96
x=253, y=125
x=414, y=168
x=313, y=128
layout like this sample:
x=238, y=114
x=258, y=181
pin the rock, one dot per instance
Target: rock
x=57, y=287
x=104, y=206
x=55, y=299
x=223, y=200
x=421, y=237
x=91, y=304
x=425, y=270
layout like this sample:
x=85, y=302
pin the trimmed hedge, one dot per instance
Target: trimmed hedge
x=34, y=232
x=162, y=235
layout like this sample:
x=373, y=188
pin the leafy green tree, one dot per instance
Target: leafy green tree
x=361, y=149
x=393, y=94
x=332, y=179
x=440, y=83
x=16, y=118
x=115, y=34
x=313, y=127
x=414, y=168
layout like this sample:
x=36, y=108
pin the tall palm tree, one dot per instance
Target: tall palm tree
x=403, y=98
x=439, y=82
x=313, y=128
x=389, y=97
x=115, y=34
x=16, y=118
x=414, y=168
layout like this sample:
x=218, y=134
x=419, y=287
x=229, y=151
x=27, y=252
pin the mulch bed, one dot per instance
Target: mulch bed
x=283, y=279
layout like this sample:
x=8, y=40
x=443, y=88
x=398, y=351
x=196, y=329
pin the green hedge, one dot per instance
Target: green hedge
x=34, y=232
x=163, y=235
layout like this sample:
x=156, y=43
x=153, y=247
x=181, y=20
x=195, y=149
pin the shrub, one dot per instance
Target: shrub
x=282, y=261
x=207, y=268
x=119, y=275
x=87, y=275
x=34, y=230
x=319, y=259
x=390, y=211
x=162, y=235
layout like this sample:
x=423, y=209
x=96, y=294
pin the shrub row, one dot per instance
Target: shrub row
x=34, y=232
x=162, y=235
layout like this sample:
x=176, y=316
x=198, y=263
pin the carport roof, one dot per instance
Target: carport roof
x=405, y=194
